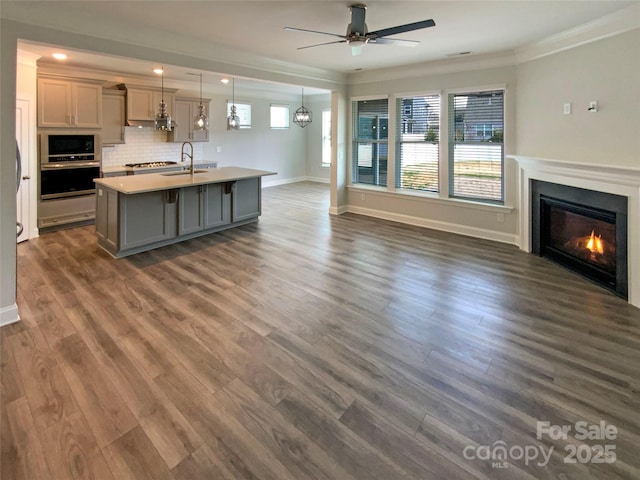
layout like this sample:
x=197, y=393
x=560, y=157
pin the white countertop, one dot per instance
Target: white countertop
x=126, y=169
x=132, y=184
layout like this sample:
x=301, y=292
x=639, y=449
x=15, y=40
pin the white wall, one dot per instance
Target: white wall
x=607, y=71
x=313, y=132
x=151, y=47
x=260, y=147
x=445, y=214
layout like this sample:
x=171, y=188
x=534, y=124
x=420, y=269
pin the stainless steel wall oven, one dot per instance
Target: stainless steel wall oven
x=68, y=164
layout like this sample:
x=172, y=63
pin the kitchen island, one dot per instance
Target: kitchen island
x=142, y=212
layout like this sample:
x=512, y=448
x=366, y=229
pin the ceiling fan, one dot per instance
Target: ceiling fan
x=357, y=34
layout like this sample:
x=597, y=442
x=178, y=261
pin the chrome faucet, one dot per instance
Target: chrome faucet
x=183, y=153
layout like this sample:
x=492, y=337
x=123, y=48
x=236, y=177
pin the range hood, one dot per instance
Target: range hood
x=142, y=102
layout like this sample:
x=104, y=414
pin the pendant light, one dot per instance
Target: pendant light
x=233, y=121
x=163, y=119
x=302, y=117
x=200, y=120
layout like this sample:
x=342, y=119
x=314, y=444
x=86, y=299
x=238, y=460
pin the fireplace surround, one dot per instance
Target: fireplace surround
x=583, y=230
x=616, y=180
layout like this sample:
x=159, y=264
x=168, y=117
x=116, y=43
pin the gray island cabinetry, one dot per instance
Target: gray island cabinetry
x=139, y=213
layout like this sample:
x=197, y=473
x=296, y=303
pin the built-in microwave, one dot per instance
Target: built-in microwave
x=59, y=147
x=69, y=161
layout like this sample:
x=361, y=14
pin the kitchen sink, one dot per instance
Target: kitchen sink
x=183, y=172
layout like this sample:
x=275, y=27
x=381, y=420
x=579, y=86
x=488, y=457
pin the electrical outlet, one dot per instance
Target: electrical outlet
x=500, y=218
x=218, y=149
x=567, y=109
x=362, y=196
x=593, y=106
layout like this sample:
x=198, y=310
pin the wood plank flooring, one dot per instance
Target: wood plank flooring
x=308, y=346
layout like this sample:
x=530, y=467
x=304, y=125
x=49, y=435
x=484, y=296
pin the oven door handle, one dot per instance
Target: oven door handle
x=67, y=165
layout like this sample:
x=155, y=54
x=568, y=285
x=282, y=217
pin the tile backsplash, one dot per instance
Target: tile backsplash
x=145, y=145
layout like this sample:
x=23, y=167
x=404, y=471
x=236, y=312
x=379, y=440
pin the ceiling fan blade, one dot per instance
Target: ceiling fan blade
x=393, y=41
x=409, y=27
x=319, y=44
x=293, y=29
x=357, y=24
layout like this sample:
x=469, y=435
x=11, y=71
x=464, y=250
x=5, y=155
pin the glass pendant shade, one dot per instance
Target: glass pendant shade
x=163, y=119
x=200, y=120
x=233, y=121
x=302, y=117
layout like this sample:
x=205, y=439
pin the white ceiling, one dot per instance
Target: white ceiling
x=256, y=27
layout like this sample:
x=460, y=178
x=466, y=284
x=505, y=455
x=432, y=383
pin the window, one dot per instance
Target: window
x=279, y=116
x=476, y=150
x=243, y=110
x=370, y=131
x=326, y=138
x=417, y=142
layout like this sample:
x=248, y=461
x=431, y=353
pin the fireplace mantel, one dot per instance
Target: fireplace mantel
x=618, y=180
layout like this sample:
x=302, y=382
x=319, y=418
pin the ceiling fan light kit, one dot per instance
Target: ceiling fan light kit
x=358, y=34
x=163, y=119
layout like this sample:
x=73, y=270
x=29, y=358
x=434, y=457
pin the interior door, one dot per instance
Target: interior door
x=23, y=198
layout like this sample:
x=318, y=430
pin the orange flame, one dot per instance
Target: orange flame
x=594, y=245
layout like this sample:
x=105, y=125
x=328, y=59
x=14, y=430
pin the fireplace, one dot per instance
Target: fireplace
x=583, y=230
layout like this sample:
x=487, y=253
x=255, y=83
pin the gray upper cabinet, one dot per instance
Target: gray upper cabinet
x=112, y=117
x=185, y=111
x=69, y=103
x=143, y=103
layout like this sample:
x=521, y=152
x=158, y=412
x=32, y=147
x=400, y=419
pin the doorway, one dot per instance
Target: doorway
x=24, y=197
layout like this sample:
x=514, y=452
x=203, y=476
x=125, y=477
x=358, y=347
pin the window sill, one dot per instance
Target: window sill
x=428, y=197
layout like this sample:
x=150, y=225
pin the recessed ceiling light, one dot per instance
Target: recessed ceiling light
x=158, y=71
x=224, y=80
x=59, y=56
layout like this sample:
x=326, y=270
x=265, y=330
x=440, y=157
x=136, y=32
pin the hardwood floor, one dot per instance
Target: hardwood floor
x=308, y=346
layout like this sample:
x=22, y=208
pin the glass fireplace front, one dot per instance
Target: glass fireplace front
x=583, y=230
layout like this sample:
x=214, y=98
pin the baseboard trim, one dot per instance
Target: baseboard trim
x=338, y=210
x=475, y=232
x=317, y=179
x=284, y=181
x=9, y=315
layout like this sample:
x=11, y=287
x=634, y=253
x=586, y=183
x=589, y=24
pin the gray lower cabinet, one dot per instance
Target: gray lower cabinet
x=204, y=206
x=191, y=209
x=246, y=199
x=217, y=201
x=147, y=218
x=132, y=223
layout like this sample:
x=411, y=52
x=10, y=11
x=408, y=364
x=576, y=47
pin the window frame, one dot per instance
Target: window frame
x=401, y=109
x=353, y=140
x=245, y=126
x=287, y=116
x=323, y=139
x=449, y=159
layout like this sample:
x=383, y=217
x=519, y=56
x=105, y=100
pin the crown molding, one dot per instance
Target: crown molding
x=435, y=67
x=613, y=24
x=27, y=58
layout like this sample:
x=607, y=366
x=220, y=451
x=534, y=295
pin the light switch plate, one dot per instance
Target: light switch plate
x=567, y=109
